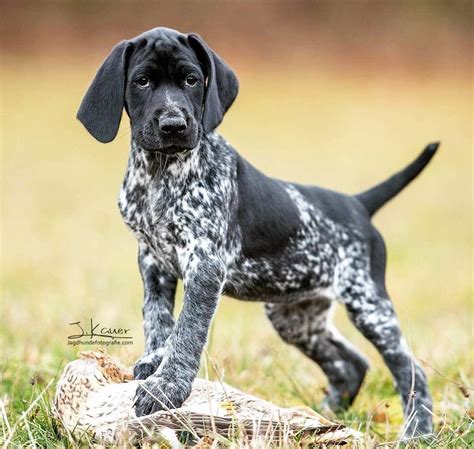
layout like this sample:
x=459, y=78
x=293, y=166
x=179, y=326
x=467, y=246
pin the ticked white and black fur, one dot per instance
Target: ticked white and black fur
x=203, y=214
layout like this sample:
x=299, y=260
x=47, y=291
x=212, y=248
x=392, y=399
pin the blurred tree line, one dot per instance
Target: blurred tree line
x=419, y=33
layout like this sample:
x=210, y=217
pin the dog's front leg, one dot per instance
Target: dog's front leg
x=171, y=384
x=158, y=304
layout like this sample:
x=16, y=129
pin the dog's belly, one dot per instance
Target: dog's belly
x=291, y=276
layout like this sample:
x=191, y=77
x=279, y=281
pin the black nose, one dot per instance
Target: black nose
x=172, y=125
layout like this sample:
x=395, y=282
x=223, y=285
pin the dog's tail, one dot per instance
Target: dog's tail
x=374, y=198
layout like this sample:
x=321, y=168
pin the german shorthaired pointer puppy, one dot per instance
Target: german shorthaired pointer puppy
x=203, y=214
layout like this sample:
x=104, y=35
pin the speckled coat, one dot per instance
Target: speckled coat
x=203, y=214
x=189, y=219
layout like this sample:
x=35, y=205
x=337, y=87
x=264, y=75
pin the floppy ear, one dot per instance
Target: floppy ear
x=101, y=108
x=222, y=84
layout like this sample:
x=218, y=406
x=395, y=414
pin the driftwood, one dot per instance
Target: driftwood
x=95, y=394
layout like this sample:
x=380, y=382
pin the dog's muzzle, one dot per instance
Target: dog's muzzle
x=170, y=133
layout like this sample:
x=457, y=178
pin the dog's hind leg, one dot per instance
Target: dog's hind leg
x=370, y=309
x=307, y=326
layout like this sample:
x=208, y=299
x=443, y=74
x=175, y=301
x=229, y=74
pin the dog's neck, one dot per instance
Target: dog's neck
x=156, y=167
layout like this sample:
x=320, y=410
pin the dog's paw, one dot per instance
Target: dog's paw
x=336, y=401
x=146, y=366
x=157, y=394
x=420, y=428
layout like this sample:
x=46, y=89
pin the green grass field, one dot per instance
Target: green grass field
x=67, y=256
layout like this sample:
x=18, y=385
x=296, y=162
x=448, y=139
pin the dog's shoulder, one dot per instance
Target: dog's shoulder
x=265, y=212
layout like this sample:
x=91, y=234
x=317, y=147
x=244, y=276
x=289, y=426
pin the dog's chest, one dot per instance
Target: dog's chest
x=171, y=209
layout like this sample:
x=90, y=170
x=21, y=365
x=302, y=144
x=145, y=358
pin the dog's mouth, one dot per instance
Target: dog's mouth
x=151, y=143
x=168, y=150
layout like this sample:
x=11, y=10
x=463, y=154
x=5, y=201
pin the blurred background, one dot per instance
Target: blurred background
x=335, y=93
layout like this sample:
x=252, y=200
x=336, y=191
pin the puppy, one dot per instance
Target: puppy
x=203, y=214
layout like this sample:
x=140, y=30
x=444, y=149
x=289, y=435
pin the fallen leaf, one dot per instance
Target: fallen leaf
x=464, y=390
x=379, y=415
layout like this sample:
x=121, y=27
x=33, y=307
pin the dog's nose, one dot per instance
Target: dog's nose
x=172, y=125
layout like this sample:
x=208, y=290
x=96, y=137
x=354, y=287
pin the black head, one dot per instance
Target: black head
x=172, y=85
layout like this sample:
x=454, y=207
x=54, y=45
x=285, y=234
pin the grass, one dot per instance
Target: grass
x=66, y=256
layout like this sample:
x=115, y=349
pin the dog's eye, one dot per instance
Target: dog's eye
x=143, y=81
x=191, y=80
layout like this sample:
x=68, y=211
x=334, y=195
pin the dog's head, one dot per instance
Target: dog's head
x=172, y=85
